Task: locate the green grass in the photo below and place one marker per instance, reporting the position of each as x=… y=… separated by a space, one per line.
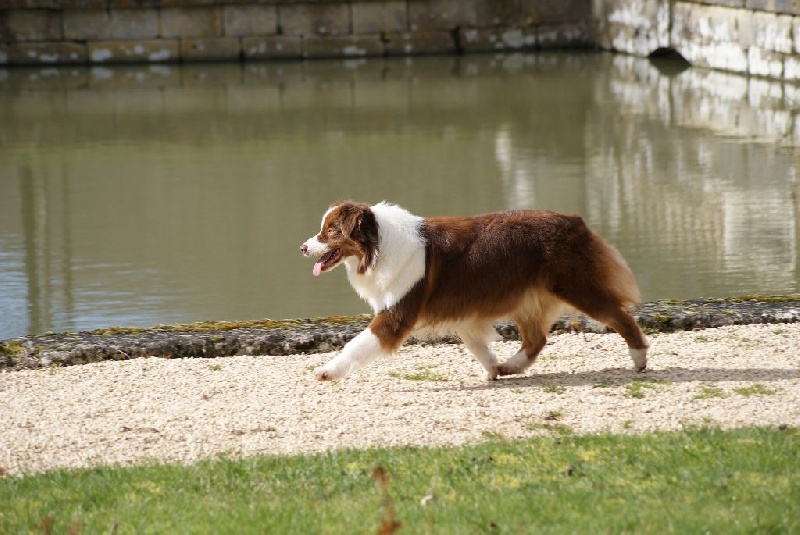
x=422 y=375
x=756 y=389
x=709 y=392
x=637 y=387
x=697 y=481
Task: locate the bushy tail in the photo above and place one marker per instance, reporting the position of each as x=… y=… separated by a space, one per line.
x=616 y=273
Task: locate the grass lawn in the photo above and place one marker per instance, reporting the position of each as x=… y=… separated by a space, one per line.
x=698 y=481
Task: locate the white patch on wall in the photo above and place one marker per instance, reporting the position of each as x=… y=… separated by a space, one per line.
x=101 y=54
x=764 y=63
x=160 y=55
x=791 y=70
x=353 y=50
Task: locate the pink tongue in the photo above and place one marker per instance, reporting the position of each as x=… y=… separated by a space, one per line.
x=317 y=269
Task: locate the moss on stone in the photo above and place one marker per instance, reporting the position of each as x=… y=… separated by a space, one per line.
x=214 y=326
x=12 y=350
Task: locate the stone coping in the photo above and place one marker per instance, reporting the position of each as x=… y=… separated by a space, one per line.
x=145 y=4
x=270 y=337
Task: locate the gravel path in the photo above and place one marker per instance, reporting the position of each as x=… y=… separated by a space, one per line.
x=185 y=409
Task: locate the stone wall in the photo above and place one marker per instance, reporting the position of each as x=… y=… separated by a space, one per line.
x=756 y=37
x=106 y=31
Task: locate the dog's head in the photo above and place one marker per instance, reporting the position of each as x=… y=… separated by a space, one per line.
x=348 y=229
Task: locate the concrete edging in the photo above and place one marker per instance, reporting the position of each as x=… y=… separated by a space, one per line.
x=268 y=337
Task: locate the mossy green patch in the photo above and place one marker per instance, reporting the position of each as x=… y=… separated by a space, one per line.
x=756 y=389
x=12 y=349
x=709 y=392
x=637 y=387
x=422 y=375
x=214 y=326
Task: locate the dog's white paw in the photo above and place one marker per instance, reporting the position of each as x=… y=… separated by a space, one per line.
x=324 y=373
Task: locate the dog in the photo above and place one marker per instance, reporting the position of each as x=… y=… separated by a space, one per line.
x=461 y=274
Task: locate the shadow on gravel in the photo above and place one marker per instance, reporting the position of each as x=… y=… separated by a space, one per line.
x=612 y=377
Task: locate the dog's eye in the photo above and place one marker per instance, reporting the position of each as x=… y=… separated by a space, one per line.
x=332 y=232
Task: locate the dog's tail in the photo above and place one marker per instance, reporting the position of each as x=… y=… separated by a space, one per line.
x=612 y=269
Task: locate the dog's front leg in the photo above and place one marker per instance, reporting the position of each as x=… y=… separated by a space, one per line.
x=358 y=352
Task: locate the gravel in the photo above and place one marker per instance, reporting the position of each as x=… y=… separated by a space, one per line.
x=181 y=410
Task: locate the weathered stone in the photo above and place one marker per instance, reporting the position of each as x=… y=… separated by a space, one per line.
x=377 y=17
x=791 y=7
x=193 y=22
x=634 y=27
x=796 y=34
x=153 y=50
x=308 y=336
x=272 y=47
x=111 y=25
x=764 y=62
x=34 y=25
x=211 y=49
x=440 y=15
x=555 y=11
x=713 y=37
x=726 y=3
x=494 y=14
x=791 y=71
x=313 y=19
x=46 y=53
x=248 y=20
x=419 y=43
x=562 y=35
x=773 y=32
x=342 y=46
x=489 y=40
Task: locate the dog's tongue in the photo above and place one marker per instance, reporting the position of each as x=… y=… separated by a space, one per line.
x=317 y=268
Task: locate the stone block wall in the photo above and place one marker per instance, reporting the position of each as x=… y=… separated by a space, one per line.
x=118 y=31
x=754 y=37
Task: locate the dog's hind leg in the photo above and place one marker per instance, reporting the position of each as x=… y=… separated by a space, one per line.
x=534 y=320
x=533 y=340
x=476 y=338
x=613 y=314
x=623 y=323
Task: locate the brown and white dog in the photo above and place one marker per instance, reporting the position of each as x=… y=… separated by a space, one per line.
x=461 y=274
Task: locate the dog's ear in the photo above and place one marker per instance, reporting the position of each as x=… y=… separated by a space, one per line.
x=351 y=218
x=366 y=233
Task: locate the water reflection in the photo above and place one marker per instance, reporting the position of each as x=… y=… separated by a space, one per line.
x=158 y=194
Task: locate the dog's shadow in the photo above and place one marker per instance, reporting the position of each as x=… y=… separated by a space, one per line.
x=613 y=377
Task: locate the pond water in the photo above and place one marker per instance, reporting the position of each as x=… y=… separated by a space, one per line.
x=168 y=194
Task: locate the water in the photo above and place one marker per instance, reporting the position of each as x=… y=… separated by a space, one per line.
x=152 y=194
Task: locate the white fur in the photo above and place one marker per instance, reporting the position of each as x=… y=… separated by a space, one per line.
x=476 y=338
x=400 y=261
x=518 y=363
x=639 y=357
x=315 y=247
x=358 y=352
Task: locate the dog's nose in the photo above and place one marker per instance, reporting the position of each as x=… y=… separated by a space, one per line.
x=304 y=249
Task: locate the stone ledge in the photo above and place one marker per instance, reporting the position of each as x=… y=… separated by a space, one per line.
x=267 y=337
